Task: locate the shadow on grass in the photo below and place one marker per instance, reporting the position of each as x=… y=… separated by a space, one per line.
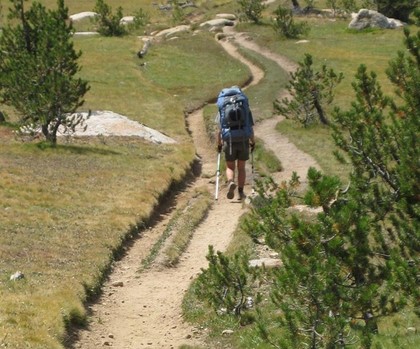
x=74 y=149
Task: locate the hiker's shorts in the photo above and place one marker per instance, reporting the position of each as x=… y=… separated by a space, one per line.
x=238 y=151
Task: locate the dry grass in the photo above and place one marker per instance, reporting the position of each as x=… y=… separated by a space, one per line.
x=65 y=212
x=187 y=221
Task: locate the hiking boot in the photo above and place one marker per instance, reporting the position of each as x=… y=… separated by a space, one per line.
x=231 y=190
x=241 y=195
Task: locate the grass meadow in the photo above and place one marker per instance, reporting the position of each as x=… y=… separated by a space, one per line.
x=66 y=212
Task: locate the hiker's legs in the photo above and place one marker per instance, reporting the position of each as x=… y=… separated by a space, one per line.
x=241 y=174
x=230 y=171
x=230 y=175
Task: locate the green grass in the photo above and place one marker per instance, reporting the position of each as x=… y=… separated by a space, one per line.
x=65 y=212
x=187 y=58
x=317 y=141
x=261 y=96
x=330 y=43
x=193 y=213
x=179 y=230
x=120 y=84
x=265 y=161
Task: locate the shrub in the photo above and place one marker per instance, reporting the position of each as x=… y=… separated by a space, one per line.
x=311 y=92
x=285 y=26
x=109 y=24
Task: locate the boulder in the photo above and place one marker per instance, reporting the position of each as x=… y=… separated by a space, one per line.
x=82 y=15
x=267 y=262
x=127 y=20
x=17 y=276
x=171 y=31
x=85 y=33
x=217 y=23
x=372 y=19
x=229 y=16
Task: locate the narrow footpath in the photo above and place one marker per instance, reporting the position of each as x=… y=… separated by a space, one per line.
x=143 y=310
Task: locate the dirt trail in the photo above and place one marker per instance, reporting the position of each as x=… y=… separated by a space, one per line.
x=292 y=158
x=145 y=312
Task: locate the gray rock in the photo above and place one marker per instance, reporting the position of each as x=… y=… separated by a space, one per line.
x=127 y=20
x=227 y=332
x=82 y=15
x=175 y=30
x=373 y=19
x=17 y=276
x=229 y=16
x=217 y=23
x=267 y=262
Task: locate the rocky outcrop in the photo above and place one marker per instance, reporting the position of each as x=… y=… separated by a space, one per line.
x=175 y=30
x=372 y=19
x=217 y=23
x=82 y=15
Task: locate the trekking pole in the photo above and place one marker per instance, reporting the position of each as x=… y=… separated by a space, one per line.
x=252 y=174
x=216 y=195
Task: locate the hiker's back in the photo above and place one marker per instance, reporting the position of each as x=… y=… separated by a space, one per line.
x=234 y=113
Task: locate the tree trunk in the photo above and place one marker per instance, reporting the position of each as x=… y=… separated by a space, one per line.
x=49 y=136
x=295 y=4
x=319 y=110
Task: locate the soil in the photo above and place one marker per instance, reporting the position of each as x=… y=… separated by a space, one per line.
x=143 y=309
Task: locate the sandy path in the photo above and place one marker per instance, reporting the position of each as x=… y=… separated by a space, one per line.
x=145 y=312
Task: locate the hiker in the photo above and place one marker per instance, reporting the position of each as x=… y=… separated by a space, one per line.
x=235 y=136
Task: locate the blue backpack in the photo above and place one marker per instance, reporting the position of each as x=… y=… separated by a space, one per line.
x=235 y=115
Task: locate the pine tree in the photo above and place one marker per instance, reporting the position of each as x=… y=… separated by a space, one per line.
x=225 y=284
x=358 y=260
x=38 y=64
x=109 y=24
x=380 y=135
x=251 y=10
x=311 y=91
x=400 y=9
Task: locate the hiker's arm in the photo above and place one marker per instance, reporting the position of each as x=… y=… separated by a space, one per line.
x=219 y=140
x=219 y=137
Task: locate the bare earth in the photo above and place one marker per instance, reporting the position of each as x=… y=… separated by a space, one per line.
x=144 y=311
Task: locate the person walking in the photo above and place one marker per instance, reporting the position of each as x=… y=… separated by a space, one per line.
x=235 y=136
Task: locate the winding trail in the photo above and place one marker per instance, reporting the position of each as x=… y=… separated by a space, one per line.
x=293 y=160
x=145 y=310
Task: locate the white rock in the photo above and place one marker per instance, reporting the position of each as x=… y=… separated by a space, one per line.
x=127 y=20
x=227 y=332
x=82 y=15
x=107 y=123
x=17 y=276
x=267 y=262
x=86 y=33
x=172 y=31
x=217 y=23
x=229 y=16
